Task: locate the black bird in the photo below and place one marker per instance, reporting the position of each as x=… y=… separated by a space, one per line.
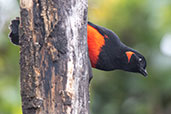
x=106 y=51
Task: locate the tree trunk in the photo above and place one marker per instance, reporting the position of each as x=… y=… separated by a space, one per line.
x=54 y=59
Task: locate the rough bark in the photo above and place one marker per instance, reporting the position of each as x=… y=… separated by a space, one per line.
x=54 y=58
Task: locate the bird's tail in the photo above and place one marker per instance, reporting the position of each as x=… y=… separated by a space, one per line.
x=14 y=31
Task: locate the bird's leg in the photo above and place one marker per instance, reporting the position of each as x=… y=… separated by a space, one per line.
x=90 y=71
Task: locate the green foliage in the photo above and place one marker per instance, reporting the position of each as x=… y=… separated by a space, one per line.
x=141 y=25
x=10 y=102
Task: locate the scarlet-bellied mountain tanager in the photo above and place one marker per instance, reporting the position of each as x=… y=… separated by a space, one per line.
x=106 y=51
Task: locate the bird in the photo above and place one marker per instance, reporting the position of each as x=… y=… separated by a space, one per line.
x=105 y=49
x=107 y=52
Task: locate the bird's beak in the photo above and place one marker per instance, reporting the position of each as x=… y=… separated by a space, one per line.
x=143 y=72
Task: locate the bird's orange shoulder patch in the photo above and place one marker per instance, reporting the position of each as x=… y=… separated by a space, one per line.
x=95 y=43
x=129 y=55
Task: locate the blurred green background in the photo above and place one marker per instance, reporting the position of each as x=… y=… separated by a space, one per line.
x=144 y=25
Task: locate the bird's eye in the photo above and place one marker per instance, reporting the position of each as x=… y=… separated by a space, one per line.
x=140 y=59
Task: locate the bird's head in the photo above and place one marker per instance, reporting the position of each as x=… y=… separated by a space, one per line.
x=135 y=62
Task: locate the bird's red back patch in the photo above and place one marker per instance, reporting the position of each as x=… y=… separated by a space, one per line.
x=95 y=43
